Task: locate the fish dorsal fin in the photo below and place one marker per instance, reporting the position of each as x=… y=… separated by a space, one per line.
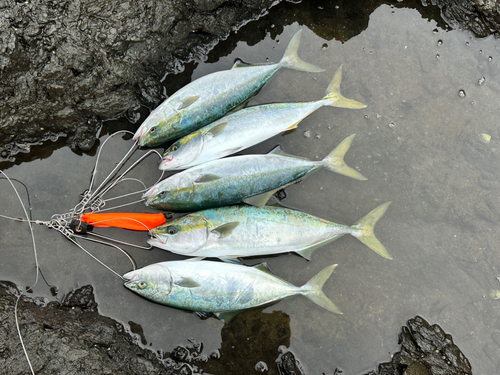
x=217 y=129
x=261 y=199
x=279 y=151
x=263 y=267
x=225 y=230
x=187 y=282
x=186 y=102
x=206 y=178
x=240 y=64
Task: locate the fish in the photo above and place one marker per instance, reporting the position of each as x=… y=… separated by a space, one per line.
x=247 y=127
x=232 y=232
x=252 y=179
x=222 y=289
x=212 y=96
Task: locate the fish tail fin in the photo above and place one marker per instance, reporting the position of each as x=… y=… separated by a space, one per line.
x=313 y=290
x=366 y=226
x=335 y=98
x=291 y=59
x=335 y=160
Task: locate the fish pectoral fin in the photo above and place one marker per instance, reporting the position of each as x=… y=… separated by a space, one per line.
x=233 y=260
x=188 y=101
x=206 y=178
x=217 y=129
x=187 y=282
x=226 y=317
x=307 y=252
x=225 y=230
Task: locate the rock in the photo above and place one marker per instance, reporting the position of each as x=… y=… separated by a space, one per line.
x=426 y=350
x=66 y=66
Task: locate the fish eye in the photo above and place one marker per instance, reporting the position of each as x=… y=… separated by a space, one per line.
x=175 y=147
x=153 y=129
x=162 y=193
x=142 y=284
x=171 y=230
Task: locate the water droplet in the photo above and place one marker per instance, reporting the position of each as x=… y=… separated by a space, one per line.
x=320 y=7
x=272 y=26
x=337 y=7
x=438 y=57
x=495 y=294
x=261 y=366
x=481 y=80
x=329 y=127
x=490 y=58
x=435 y=31
x=324 y=46
x=467 y=43
x=267 y=58
x=318 y=136
x=379 y=116
x=461 y=93
x=440 y=42
x=391 y=125
x=480 y=51
x=366 y=116
x=472 y=102
x=393 y=12
x=307 y=134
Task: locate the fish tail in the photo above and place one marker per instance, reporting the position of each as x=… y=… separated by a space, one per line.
x=366 y=226
x=313 y=290
x=333 y=96
x=335 y=160
x=291 y=59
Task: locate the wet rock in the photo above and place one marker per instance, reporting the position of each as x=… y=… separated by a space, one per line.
x=66 y=66
x=481 y=17
x=425 y=350
x=288 y=365
x=68 y=337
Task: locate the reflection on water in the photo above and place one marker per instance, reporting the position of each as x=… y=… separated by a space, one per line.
x=420 y=144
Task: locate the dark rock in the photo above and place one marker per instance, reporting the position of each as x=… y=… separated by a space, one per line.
x=426 y=350
x=481 y=17
x=65 y=66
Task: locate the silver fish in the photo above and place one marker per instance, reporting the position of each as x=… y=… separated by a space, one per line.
x=221 y=288
x=247 y=127
x=210 y=97
x=244 y=231
x=248 y=178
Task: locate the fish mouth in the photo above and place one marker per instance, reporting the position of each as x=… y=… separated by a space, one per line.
x=164 y=162
x=154 y=241
x=129 y=277
x=139 y=133
x=150 y=193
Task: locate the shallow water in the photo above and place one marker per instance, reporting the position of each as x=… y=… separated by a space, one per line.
x=419 y=144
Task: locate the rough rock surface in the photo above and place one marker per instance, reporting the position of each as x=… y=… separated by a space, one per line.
x=425 y=350
x=67 y=65
x=68 y=338
x=482 y=17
